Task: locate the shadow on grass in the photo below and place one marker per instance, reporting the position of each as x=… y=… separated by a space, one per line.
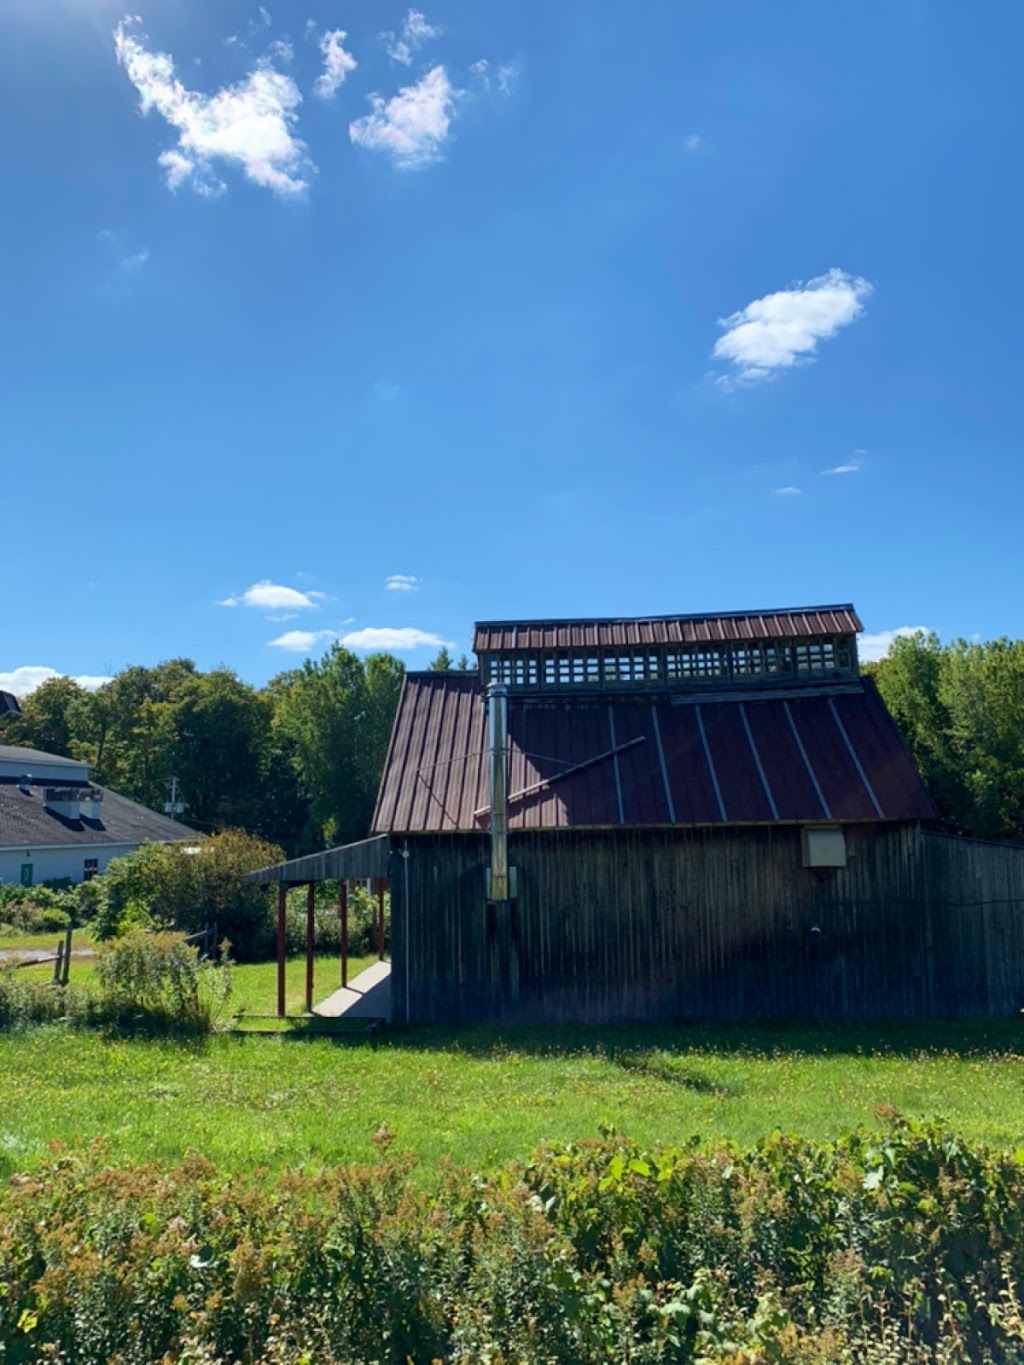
x=635 y=1046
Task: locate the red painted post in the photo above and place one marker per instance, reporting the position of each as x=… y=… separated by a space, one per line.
x=380 y=918
x=282 y=895
x=310 y=895
x=343 y=907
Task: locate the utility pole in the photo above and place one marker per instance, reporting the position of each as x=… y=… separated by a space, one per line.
x=174 y=807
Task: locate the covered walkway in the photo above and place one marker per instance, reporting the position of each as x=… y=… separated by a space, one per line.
x=369 y=995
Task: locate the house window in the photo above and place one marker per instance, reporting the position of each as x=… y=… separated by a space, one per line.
x=702 y=663
x=92 y=869
x=819 y=656
x=26 y=874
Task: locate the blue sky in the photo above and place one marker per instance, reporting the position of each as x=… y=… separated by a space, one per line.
x=547 y=306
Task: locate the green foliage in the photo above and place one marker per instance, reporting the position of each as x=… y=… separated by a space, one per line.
x=186 y=886
x=157 y=980
x=443 y=661
x=362 y=921
x=335 y=716
x=36 y=909
x=905 y=1246
x=29 y=999
x=296 y=762
x=961 y=708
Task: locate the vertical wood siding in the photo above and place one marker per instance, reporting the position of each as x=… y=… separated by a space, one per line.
x=650 y=924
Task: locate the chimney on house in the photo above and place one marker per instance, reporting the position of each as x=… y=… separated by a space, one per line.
x=25 y=783
x=64 y=801
x=92 y=804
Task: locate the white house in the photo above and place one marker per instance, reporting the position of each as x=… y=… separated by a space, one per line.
x=55 y=823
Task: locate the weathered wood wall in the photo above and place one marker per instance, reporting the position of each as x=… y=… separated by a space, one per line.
x=727 y=924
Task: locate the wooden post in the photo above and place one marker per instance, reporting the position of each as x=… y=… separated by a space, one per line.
x=310 y=930
x=67 y=957
x=343 y=910
x=380 y=919
x=58 y=963
x=282 y=896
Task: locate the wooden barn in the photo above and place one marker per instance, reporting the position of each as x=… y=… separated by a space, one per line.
x=668 y=818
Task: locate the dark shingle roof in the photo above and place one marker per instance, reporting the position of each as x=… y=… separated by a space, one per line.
x=26 y=823
x=9 y=705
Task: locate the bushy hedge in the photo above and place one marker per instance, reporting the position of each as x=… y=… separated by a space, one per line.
x=905 y=1247
x=187 y=886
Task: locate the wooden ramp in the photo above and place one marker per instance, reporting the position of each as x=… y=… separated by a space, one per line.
x=368 y=996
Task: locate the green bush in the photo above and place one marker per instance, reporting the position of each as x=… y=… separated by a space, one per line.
x=362 y=920
x=187 y=886
x=26 y=1000
x=36 y=909
x=899 y=1248
x=157 y=981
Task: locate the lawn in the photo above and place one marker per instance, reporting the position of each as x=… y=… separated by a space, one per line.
x=483 y=1096
x=14 y=938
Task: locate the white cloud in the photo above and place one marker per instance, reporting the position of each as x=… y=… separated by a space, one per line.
x=783 y=329
x=415 y=32
x=788 y=492
x=388 y=637
x=871 y=648
x=851 y=466
x=401 y=582
x=250 y=125
x=693 y=142
x=22 y=681
x=504 y=74
x=411 y=126
x=302 y=641
x=337 y=64
x=274 y=597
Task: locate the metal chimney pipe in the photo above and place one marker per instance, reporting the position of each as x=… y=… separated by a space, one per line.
x=497 y=713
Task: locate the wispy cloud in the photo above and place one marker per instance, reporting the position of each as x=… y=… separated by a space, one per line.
x=125 y=260
x=693 y=142
x=268 y=596
x=504 y=74
x=390 y=637
x=788 y=492
x=412 y=126
x=851 y=466
x=402 y=47
x=250 y=125
x=302 y=641
x=781 y=330
x=21 y=681
x=401 y=582
x=872 y=647
x=338 y=63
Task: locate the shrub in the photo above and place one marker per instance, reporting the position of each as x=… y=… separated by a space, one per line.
x=186 y=886
x=26 y=1000
x=362 y=920
x=899 y=1248
x=36 y=909
x=157 y=980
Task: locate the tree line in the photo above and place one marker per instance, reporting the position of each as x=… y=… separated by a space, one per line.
x=298 y=761
x=960 y=707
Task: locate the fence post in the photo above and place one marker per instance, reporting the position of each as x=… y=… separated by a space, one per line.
x=282 y=892
x=67 y=956
x=310 y=931
x=343 y=909
x=57 y=964
x=380 y=919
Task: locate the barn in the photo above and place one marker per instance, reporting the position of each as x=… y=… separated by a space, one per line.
x=662 y=818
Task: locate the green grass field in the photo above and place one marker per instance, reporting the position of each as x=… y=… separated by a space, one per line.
x=13 y=938
x=481 y=1096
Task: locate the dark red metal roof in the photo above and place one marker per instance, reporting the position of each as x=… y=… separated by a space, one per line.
x=788 y=624
x=825 y=754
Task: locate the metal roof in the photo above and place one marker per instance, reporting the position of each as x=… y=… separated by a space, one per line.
x=349 y=862
x=26 y=823
x=803 y=756
x=15 y=753
x=778 y=624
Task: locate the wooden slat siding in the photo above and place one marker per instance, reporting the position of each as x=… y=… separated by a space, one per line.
x=660 y=925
